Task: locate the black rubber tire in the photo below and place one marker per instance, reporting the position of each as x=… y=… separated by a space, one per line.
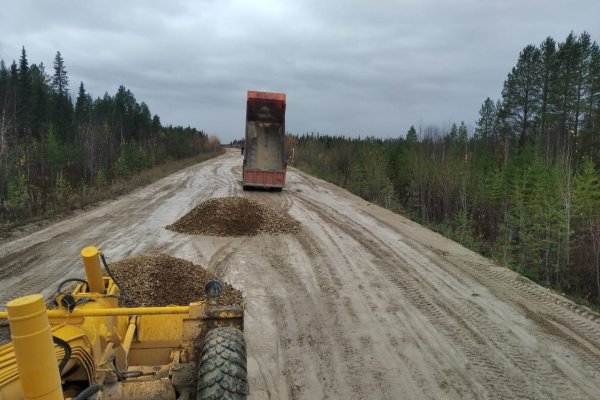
x=222 y=370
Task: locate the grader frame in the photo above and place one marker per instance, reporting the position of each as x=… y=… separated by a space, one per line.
x=89 y=347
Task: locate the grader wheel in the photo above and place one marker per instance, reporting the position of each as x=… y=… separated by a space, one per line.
x=222 y=368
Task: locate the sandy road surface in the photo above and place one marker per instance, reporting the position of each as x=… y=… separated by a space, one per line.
x=361 y=304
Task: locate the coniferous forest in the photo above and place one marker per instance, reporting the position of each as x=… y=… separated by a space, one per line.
x=521 y=187
x=59 y=150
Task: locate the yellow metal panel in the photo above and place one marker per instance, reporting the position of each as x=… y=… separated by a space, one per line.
x=153 y=356
x=159 y=328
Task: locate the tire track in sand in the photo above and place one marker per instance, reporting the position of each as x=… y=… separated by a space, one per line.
x=497 y=363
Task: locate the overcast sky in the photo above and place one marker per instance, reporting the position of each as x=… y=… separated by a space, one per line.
x=347 y=67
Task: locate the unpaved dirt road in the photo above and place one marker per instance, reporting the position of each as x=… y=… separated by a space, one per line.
x=361 y=304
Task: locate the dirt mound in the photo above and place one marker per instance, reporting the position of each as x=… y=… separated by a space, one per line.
x=234 y=216
x=157 y=280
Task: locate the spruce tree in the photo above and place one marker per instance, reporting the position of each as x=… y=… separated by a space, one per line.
x=411 y=135
x=13 y=96
x=63 y=108
x=60 y=81
x=40 y=101
x=143 y=121
x=462 y=132
x=3 y=71
x=453 y=132
x=459 y=149
x=23 y=95
x=83 y=106
x=24 y=77
x=156 y=125
x=486 y=123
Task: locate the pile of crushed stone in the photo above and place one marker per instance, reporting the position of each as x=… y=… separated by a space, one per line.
x=157 y=280
x=234 y=216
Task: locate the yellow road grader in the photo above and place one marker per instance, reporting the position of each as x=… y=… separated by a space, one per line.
x=90 y=348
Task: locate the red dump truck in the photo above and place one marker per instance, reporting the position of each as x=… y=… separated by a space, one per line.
x=264 y=147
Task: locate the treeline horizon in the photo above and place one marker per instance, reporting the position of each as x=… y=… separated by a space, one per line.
x=522 y=188
x=55 y=149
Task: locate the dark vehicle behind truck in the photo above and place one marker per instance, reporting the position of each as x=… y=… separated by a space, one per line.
x=264 y=147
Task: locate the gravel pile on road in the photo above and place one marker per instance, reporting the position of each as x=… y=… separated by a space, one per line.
x=157 y=280
x=234 y=216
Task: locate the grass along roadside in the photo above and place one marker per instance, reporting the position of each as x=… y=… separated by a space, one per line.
x=89 y=196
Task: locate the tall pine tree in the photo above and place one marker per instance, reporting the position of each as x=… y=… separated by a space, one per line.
x=521 y=93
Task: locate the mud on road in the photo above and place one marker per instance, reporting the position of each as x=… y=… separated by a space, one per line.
x=360 y=303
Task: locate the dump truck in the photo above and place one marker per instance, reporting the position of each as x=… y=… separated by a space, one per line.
x=264 y=147
x=88 y=347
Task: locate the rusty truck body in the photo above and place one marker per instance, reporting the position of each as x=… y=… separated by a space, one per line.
x=264 y=147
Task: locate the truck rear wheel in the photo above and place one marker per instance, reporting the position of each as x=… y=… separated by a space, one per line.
x=222 y=368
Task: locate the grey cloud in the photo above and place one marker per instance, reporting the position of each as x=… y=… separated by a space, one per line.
x=348 y=67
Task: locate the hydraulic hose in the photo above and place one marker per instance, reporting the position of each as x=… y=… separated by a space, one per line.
x=121 y=289
x=70 y=372
x=59 y=342
x=87 y=392
x=60 y=285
